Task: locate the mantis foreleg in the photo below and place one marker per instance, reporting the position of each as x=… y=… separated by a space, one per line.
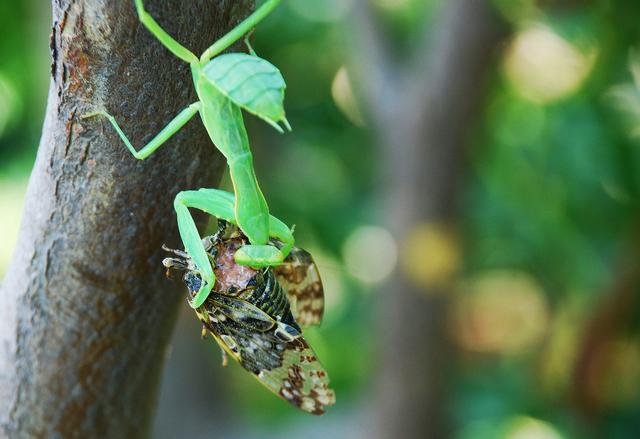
x=221 y=204
x=194 y=247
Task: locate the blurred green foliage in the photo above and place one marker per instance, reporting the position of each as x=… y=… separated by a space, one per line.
x=24 y=72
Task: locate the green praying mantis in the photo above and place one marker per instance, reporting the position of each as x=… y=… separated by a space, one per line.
x=225 y=85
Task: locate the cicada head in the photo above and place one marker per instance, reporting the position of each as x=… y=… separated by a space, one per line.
x=193 y=282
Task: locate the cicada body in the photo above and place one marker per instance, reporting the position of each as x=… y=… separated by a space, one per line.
x=256 y=317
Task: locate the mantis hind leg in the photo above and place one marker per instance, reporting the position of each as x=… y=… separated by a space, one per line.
x=221 y=204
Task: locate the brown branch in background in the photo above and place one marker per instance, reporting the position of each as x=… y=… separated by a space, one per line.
x=423 y=127
x=85 y=310
x=612 y=320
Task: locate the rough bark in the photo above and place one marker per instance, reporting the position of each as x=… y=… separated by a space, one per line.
x=425 y=107
x=85 y=309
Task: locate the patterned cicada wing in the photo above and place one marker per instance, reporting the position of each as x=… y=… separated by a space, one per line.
x=300 y=379
x=290 y=369
x=299 y=277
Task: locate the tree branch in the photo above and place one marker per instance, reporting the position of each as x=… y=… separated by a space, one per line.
x=422 y=129
x=86 y=311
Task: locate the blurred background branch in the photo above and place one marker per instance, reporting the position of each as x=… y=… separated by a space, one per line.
x=424 y=107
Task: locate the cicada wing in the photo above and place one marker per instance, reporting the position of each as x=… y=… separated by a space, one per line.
x=300 y=278
x=300 y=379
x=290 y=369
x=243 y=312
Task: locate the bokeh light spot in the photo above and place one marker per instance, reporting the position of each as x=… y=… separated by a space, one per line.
x=626 y=97
x=370 y=254
x=501 y=312
x=11 y=202
x=9 y=103
x=430 y=255
x=343 y=96
x=525 y=427
x=544 y=67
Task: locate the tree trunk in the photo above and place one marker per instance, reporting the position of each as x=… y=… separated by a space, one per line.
x=86 y=310
x=424 y=109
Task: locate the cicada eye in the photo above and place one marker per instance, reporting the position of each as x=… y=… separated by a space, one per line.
x=192 y=281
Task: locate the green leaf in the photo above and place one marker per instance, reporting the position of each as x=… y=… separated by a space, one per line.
x=251 y=83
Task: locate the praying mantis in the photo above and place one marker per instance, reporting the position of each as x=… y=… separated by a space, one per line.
x=225 y=85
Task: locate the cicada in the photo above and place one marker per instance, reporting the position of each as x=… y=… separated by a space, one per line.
x=256 y=317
